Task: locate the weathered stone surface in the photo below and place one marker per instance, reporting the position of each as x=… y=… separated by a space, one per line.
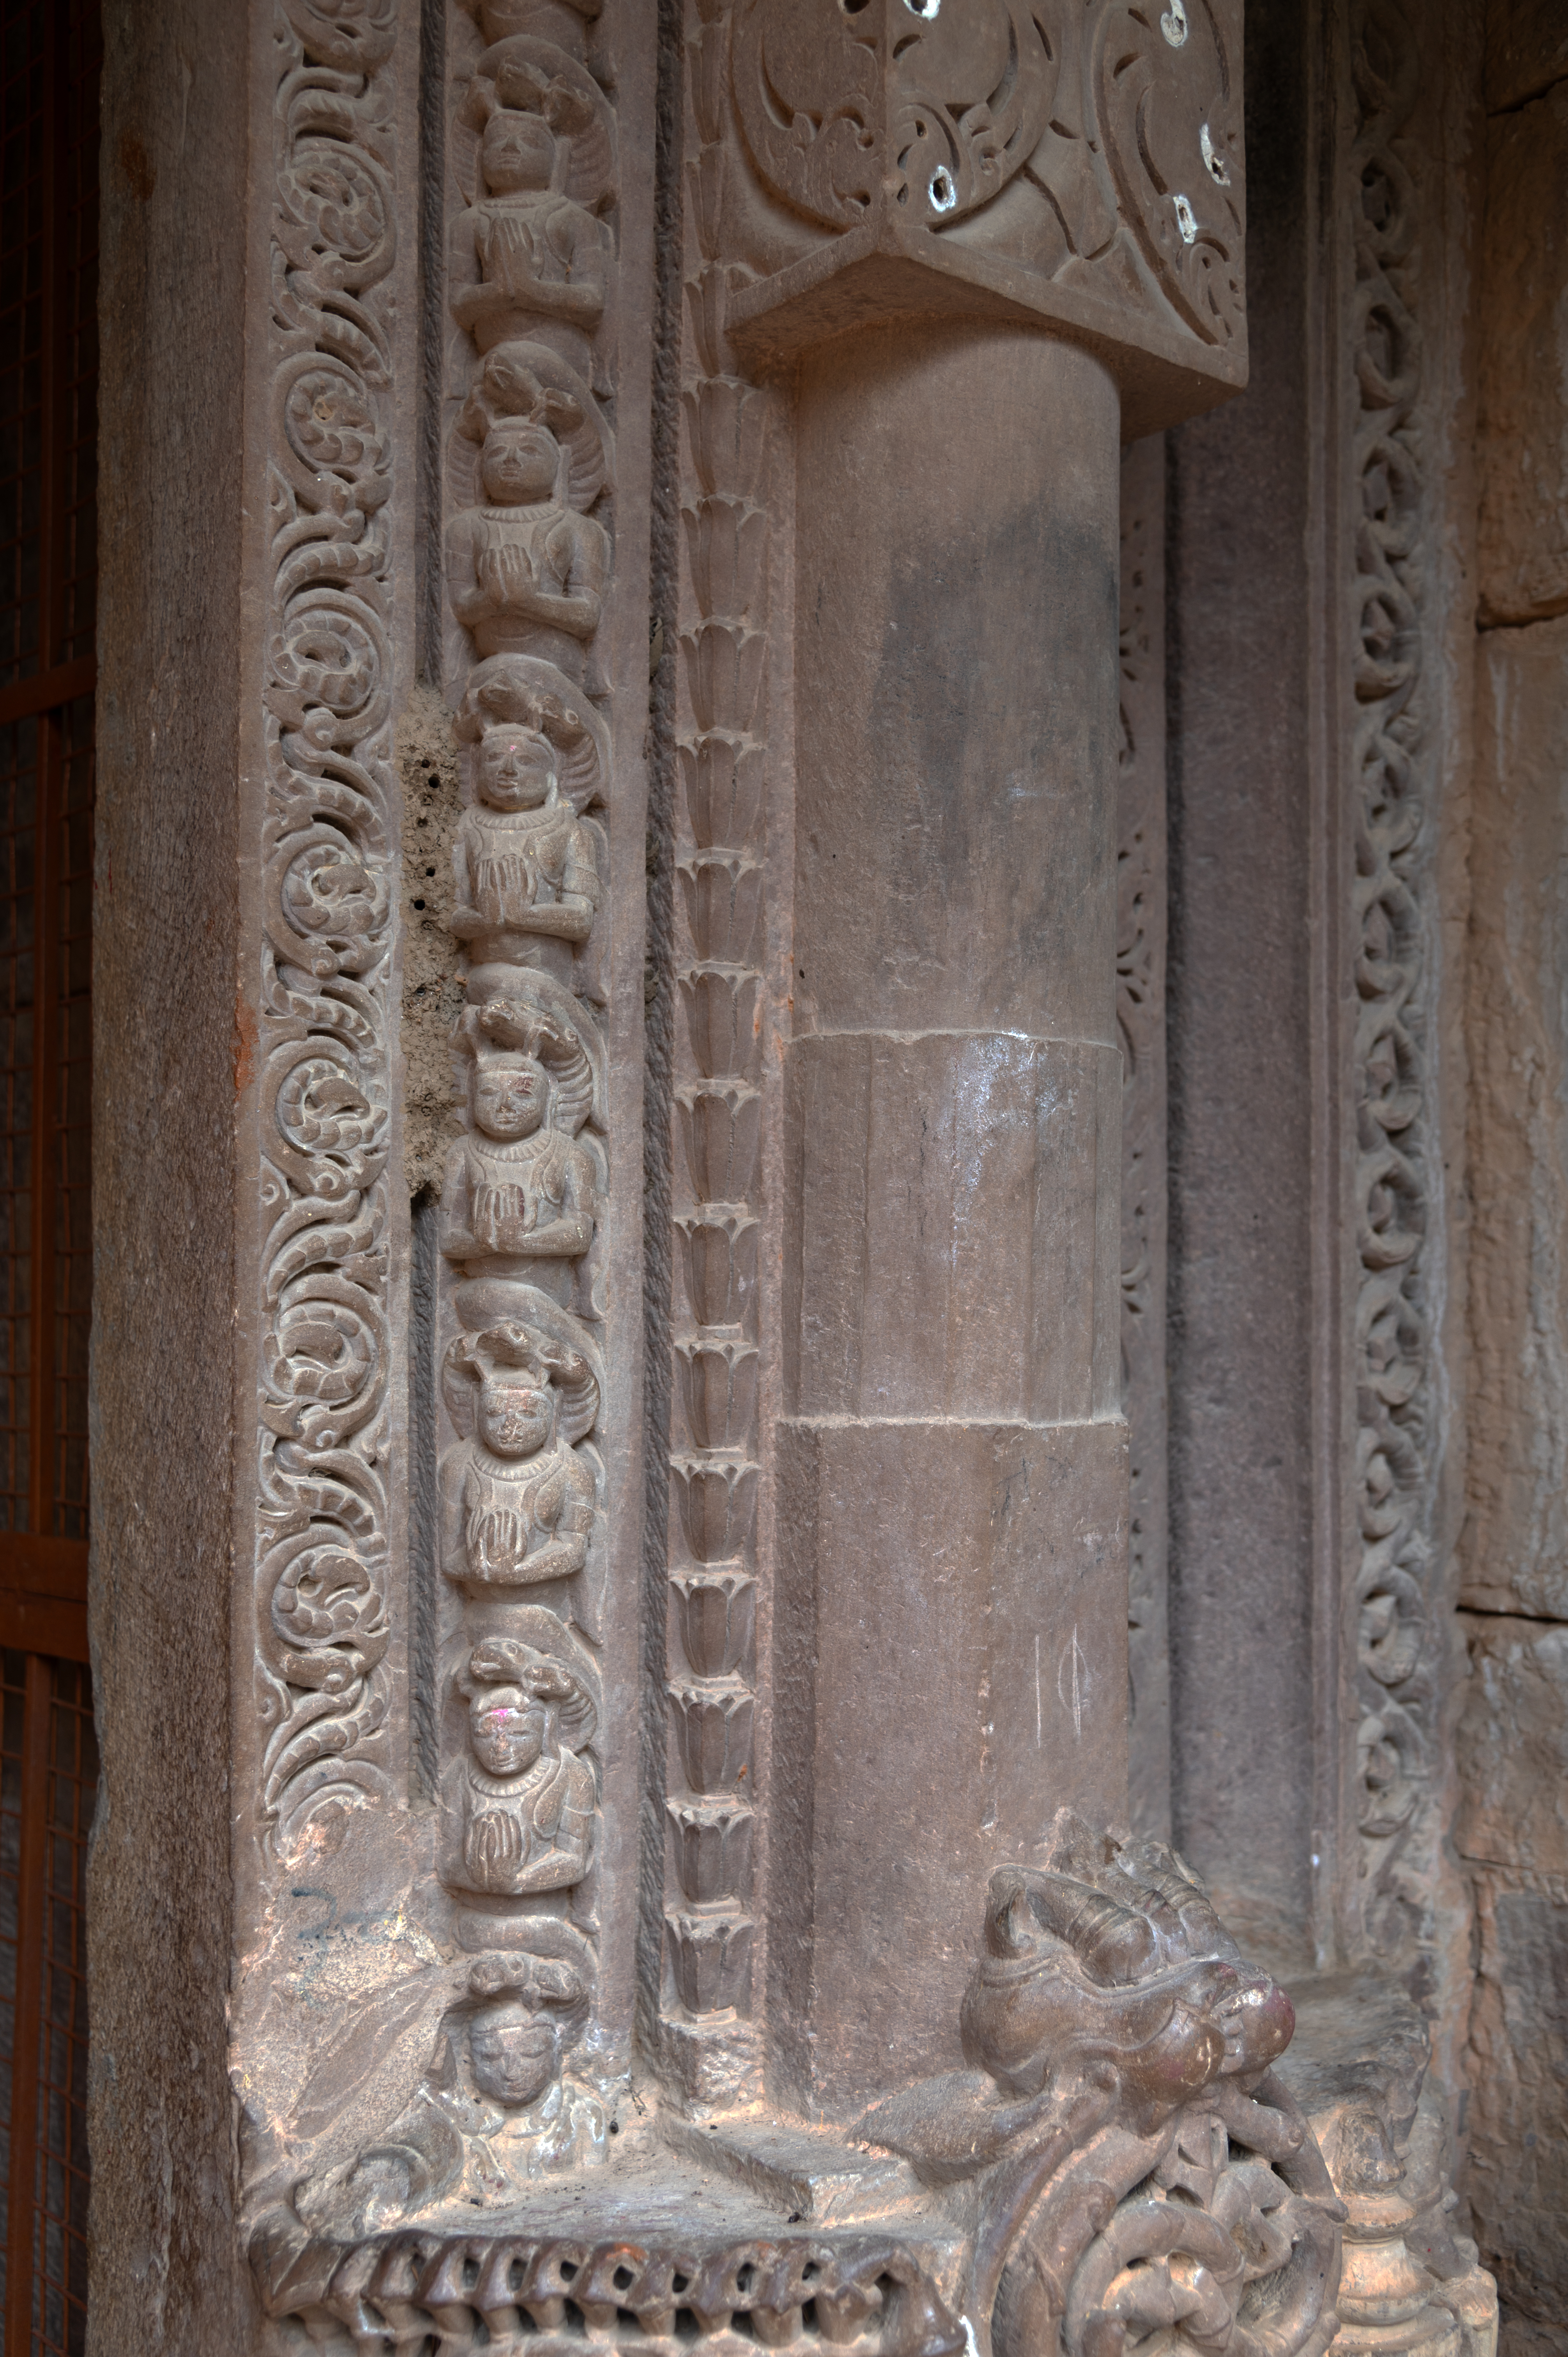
x=1518 y=2121
x=431 y=986
x=1141 y=933
x=171 y=1050
x=990 y=1559
x=1241 y=1676
x=1524 y=539
x=1515 y=1547
x=1527 y=51
x=1513 y=1744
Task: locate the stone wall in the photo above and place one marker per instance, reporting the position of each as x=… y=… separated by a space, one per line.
x=1513 y=1751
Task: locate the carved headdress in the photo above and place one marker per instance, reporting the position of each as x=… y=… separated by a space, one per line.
x=527 y=381
x=521 y=75
x=555 y=1669
x=526 y=691
x=520 y=1027
x=476 y=1358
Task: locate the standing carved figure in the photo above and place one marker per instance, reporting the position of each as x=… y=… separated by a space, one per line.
x=523 y=860
x=521 y=1807
x=529 y=865
x=518 y=1499
x=520 y=1194
x=525 y=572
x=528 y=257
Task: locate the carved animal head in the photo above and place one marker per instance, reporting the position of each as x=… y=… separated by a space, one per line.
x=1110 y=1965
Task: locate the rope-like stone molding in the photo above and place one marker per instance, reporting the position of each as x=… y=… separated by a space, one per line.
x=328 y=854
x=1396 y=1686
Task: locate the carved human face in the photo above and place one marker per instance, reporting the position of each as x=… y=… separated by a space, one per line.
x=517 y=768
x=518 y=152
x=518 y=464
x=514 y=2054
x=507 y=1728
x=510 y=1096
x=514 y=1417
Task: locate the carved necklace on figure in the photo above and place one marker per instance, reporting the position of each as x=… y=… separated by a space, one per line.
x=532 y=232
x=511 y=1820
x=505 y=1510
x=516 y=1188
x=518 y=859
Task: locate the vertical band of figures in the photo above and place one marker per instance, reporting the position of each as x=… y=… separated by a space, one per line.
x=1396 y=1690
x=714 y=1586
x=529 y=458
x=329 y=852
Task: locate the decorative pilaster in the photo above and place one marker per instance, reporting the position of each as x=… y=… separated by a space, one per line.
x=714 y=1756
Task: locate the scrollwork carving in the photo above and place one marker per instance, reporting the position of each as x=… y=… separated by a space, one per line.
x=324 y=1629
x=807 y=92
x=1390 y=1601
x=1095 y=151
x=1171 y=112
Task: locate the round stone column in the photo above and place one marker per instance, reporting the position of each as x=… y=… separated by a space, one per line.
x=951 y=1636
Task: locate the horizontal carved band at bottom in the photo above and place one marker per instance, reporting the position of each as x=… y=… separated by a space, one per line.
x=865 y=2293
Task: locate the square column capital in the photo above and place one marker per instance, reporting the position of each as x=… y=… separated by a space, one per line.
x=1078 y=166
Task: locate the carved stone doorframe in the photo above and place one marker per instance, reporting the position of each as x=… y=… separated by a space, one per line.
x=647 y=1940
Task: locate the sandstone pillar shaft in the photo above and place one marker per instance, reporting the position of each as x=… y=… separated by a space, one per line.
x=952 y=1483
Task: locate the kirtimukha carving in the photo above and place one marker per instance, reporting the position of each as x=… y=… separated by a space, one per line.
x=325 y=1519
x=1137 y=2168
